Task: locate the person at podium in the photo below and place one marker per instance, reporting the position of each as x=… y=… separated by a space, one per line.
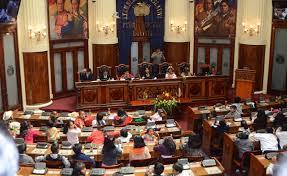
x=147 y=74
x=157 y=57
x=105 y=76
x=170 y=73
x=185 y=72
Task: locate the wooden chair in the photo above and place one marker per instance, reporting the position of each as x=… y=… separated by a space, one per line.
x=121 y=69
x=181 y=67
x=141 y=163
x=163 y=68
x=170 y=160
x=244 y=163
x=54 y=164
x=101 y=69
x=142 y=66
x=113 y=166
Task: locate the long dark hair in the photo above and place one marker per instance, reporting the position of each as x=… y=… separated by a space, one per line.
x=77 y=170
x=108 y=145
x=67 y=126
x=24 y=128
x=244 y=124
x=169 y=144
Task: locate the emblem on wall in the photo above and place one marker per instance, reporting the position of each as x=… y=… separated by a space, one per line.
x=10 y=70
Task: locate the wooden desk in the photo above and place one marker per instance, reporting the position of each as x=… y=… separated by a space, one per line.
x=96 y=153
x=164 y=131
x=258 y=165
x=103 y=94
x=195 y=169
x=209 y=131
x=229 y=151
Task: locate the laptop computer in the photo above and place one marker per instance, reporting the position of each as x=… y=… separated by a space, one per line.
x=66 y=172
x=66 y=145
x=170 y=123
x=42 y=145
x=109 y=128
x=97 y=172
x=40 y=168
x=184 y=162
x=150 y=125
x=208 y=163
x=127 y=170
x=87 y=129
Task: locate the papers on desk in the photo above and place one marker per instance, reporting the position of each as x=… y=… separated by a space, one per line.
x=66 y=152
x=64 y=118
x=204 y=111
x=187 y=173
x=54 y=172
x=28 y=116
x=213 y=170
x=173 y=129
x=85 y=134
x=39 y=151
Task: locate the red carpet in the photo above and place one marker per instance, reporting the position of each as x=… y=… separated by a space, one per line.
x=67 y=104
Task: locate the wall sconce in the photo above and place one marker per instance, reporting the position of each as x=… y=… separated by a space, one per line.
x=251 y=29
x=178 y=28
x=37 y=32
x=106 y=28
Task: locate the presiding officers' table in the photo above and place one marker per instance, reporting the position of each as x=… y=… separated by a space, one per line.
x=121 y=93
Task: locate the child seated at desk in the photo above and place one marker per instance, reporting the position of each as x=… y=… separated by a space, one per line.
x=72 y=131
x=139 y=151
x=99 y=121
x=125 y=136
x=243 y=143
x=77 y=148
x=157 y=170
x=79 y=169
x=167 y=148
x=158 y=116
x=233 y=113
x=54 y=156
x=150 y=135
x=23 y=157
x=122 y=118
x=27 y=132
x=177 y=169
x=260 y=120
x=110 y=152
x=53 y=134
x=244 y=127
x=222 y=127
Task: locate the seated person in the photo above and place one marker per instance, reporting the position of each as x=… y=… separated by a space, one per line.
x=177 y=169
x=79 y=121
x=96 y=137
x=237 y=101
x=79 y=169
x=110 y=152
x=86 y=75
x=14 y=128
x=193 y=146
x=150 y=135
x=281 y=133
x=279 y=120
x=53 y=134
x=157 y=170
x=170 y=73
x=27 y=132
x=158 y=116
x=122 y=118
x=54 y=156
x=233 y=113
x=260 y=121
x=139 y=151
x=99 y=121
x=222 y=127
x=157 y=57
x=104 y=76
x=147 y=74
x=72 y=132
x=127 y=76
x=23 y=157
x=185 y=72
x=167 y=148
x=243 y=143
x=244 y=127
x=54 y=118
x=77 y=148
x=125 y=136
x=268 y=141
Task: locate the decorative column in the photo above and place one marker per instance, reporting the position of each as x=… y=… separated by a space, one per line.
x=253 y=37
x=103 y=32
x=177 y=26
x=34 y=47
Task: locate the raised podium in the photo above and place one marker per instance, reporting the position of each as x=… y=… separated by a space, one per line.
x=244 y=83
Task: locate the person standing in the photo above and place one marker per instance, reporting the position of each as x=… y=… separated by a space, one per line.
x=157 y=57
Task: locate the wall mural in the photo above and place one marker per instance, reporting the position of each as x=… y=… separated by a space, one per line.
x=215 y=18
x=68 y=19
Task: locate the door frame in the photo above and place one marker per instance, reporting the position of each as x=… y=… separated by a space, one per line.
x=275 y=25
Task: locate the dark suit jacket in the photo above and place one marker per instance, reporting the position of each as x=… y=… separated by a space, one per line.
x=86 y=77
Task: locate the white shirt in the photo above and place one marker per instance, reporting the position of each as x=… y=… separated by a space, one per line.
x=268 y=141
x=73 y=135
x=282 y=136
x=155 y=117
x=170 y=76
x=125 y=139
